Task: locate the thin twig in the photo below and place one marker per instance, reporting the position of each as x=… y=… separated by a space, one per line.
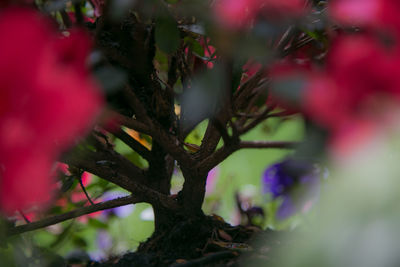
x=119 y=170
x=263 y=115
x=133 y=124
x=169 y=142
x=136 y=104
x=208 y=259
x=268 y=144
x=247 y=115
x=24 y=216
x=222 y=130
x=65 y=18
x=72 y=214
x=225 y=151
x=247 y=90
x=281 y=114
x=210 y=141
x=84 y=191
x=78 y=13
x=217 y=157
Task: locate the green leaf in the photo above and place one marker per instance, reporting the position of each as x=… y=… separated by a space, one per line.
x=56 y=210
x=97 y=224
x=136 y=159
x=79 y=241
x=195 y=46
x=167 y=34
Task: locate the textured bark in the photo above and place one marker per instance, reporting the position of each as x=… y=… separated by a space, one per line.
x=192 y=195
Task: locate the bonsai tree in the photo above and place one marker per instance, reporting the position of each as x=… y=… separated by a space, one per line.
x=164 y=67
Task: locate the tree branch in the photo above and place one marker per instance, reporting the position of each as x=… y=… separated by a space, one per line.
x=135 y=104
x=217 y=157
x=268 y=144
x=73 y=214
x=225 y=151
x=132 y=143
x=113 y=168
x=84 y=191
x=246 y=88
x=221 y=130
x=120 y=171
x=212 y=258
x=133 y=124
x=263 y=116
x=168 y=142
x=210 y=141
x=171 y=144
x=215 y=129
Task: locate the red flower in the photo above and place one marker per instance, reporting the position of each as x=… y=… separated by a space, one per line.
x=47 y=101
x=5 y=3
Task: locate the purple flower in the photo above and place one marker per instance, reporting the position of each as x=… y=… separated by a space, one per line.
x=295 y=182
x=103 y=240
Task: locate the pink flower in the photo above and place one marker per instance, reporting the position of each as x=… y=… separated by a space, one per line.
x=209 y=53
x=359 y=69
x=47 y=101
x=355 y=11
x=351 y=95
x=376 y=14
x=212 y=178
x=235 y=14
x=240 y=14
x=98 y=7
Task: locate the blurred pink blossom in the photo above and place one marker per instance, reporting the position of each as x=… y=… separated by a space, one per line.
x=212 y=180
x=241 y=14
x=374 y=14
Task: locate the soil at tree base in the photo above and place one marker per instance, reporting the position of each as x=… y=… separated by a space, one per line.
x=203 y=242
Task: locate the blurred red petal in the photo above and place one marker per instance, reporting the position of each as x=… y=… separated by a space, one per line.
x=49 y=103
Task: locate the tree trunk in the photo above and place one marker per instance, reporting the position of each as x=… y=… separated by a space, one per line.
x=191 y=198
x=193 y=192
